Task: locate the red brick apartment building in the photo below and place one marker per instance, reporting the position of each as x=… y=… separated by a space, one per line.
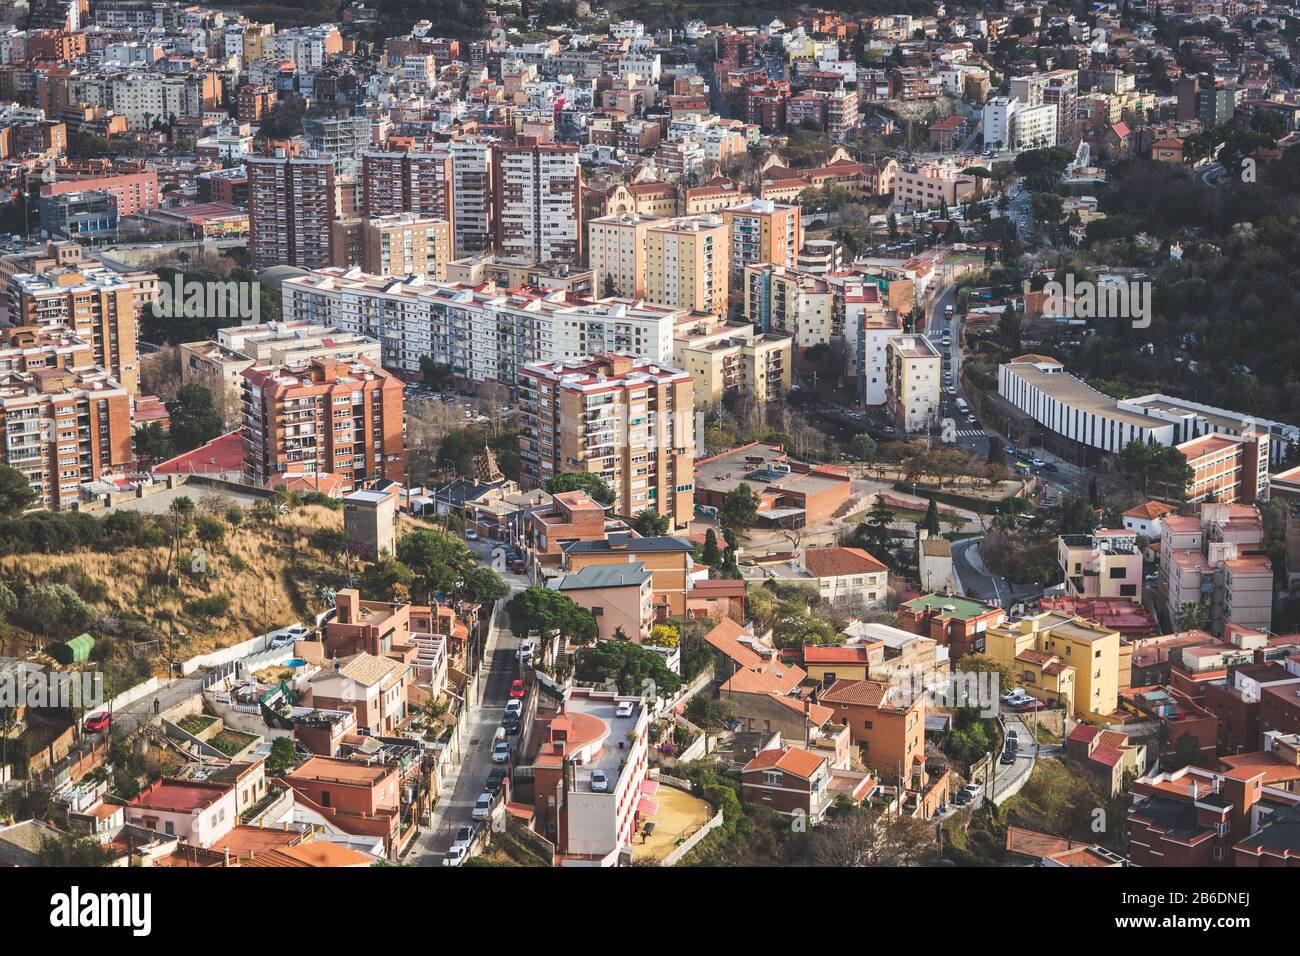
x=882 y=720
x=135 y=191
x=359 y=798
x=328 y=417
x=1195 y=817
x=956 y=622
x=291 y=204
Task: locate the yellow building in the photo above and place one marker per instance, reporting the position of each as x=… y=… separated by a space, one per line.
x=686 y=263
x=1040 y=649
x=724 y=356
x=764 y=231
x=912 y=381
x=616 y=252
x=406 y=244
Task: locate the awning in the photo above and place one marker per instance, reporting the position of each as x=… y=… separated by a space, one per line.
x=646 y=807
x=649 y=787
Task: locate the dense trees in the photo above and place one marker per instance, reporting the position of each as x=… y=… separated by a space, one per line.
x=545 y=610
x=630 y=666
x=194 y=418
x=592 y=484
x=16 y=493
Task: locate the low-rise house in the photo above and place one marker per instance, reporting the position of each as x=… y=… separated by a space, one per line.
x=373 y=688
x=791 y=781
x=885 y=722
x=958 y=623
x=358 y=797
x=199 y=813
x=1106 y=756
x=619 y=596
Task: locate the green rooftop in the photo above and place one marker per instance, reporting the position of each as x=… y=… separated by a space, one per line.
x=963 y=608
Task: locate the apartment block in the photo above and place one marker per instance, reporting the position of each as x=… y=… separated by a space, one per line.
x=625 y=419
x=406 y=244
x=291 y=206
x=135 y=189
x=1227 y=468
x=927 y=185
x=537 y=195
x=1036 y=648
x=1218 y=559
x=325 y=417
x=912 y=382
x=97 y=305
x=1058 y=88
x=64 y=427
x=616 y=248
x=783 y=300
x=397 y=181
x=763 y=232
x=687 y=262
x=725 y=357
x=473 y=193
x=482 y=332
x=1104 y=564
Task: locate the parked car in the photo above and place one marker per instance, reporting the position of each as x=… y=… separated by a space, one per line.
x=1038 y=463
x=1012 y=735
x=98 y=723
x=1011 y=697
x=514 y=708
x=625 y=708
x=496 y=780
x=518 y=566
x=599 y=781
x=456 y=856
x=1050 y=467
x=1029 y=706
x=517 y=689
x=464 y=836
x=471 y=534
x=482 y=806
x=501 y=750
x=1012 y=745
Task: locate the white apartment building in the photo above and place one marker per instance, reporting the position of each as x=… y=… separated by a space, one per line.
x=482 y=333
x=471 y=171
x=912 y=368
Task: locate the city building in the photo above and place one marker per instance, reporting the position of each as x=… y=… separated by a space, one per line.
x=1040 y=646
x=291 y=206
x=625 y=419
x=616 y=248
x=404 y=244
x=732 y=359
x=1214 y=569
x=913 y=377
x=687 y=262
x=324 y=417
x=1104 y=564
x=370 y=523
x=538 y=202
x=763 y=232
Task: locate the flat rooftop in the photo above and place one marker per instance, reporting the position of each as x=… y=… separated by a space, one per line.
x=1068 y=390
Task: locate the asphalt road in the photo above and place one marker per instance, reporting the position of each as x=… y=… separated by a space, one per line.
x=976 y=581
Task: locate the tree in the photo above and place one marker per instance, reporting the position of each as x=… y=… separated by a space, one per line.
x=1077 y=516
x=1193 y=616
x=629 y=666
x=861 y=837
x=586 y=481
x=72 y=850
x=650 y=523
x=16 y=492
x=665 y=635
x=862 y=446
x=711 y=554
x=194 y=419
x=545 y=610
x=437 y=375
x=282 y=756
x=880 y=539
x=331 y=541
x=931 y=521
x=387 y=580
x=997 y=454
x=984 y=664
x=739 y=508
x=152 y=444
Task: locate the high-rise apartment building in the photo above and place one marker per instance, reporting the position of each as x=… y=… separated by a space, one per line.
x=1059 y=88
x=325 y=417
x=473 y=206
x=616 y=252
x=97 y=305
x=537 y=192
x=63 y=427
x=629 y=421
x=763 y=231
x=291 y=206
x=405 y=244
x=912 y=368
x=396 y=181
x=733 y=358
x=686 y=263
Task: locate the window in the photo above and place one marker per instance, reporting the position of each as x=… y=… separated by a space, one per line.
x=772 y=778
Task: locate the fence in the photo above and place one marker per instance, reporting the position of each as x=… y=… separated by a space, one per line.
x=680 y=851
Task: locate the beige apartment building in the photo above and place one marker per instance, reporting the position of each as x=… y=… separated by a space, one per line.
x=98 y=306
x=926 y=185
x=723 y=356
x=1043 y=644
x=625 y=419
x=686 y=263
x=405 y=244
x=785 y=300
x=616 y=249
x=1104 y=564
x=219 y=365
x=1218 y=559
x=912 y=372
x=763 y=231
x=63 y=427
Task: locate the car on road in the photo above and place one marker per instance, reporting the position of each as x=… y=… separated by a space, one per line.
x=464 y=836
x=496 y=780
x=599 y=781
x=1050 y=467
x=501 y=750
x=514 y=708
x=1012 y=696
x=482 y=806
x=526 y=648
x=1012 y=735
x=1028 y=706
x=1038 y=463
x=98 y=723
x=456 y=856
x=1007 y=757
x=517 y=689
x=471 y=534
x=518 y=566
x=290 y=634
x=1012 y=745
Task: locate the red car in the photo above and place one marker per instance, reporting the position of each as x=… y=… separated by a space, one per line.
x=98 y=723
x=517 y=689
x=1028 y=706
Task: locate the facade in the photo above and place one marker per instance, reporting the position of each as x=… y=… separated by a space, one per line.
x=763 y=232
x=291 y=206
x=616 y=249
x=913 y=377
x=1218 y=561
x=405 y=244
x=370 y=523
x=790 y=781
x=627 y=420
x=687 y=262
x=886 y=723
x=732 y=358
x=847 y=575
x=325 y=417
x=927 y=185
x=1039 y=646
x=958 y=623
x=621 y=597
x=399 y=181
x=1104 y=564
x=538 y=202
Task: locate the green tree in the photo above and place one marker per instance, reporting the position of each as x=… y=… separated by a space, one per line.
x=387 y=580
x=331 y=541
x=862 y=446
x=282 y=756
x=876 y=529
x=931 y=521
x=586 y=481
x=997 y=454
x=72 y=850
x=739 y=508
x=545 y=610
x=650 y=523
x=152 y=444
x=711 y=554
x=629 y=665
x=16 y=492
x=194 y=419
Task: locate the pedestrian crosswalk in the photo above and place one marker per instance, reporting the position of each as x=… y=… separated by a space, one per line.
x=973 y=433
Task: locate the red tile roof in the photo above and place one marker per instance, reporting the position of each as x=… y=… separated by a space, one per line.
x=835 y=562
x=795 y=760
x=222 y=454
